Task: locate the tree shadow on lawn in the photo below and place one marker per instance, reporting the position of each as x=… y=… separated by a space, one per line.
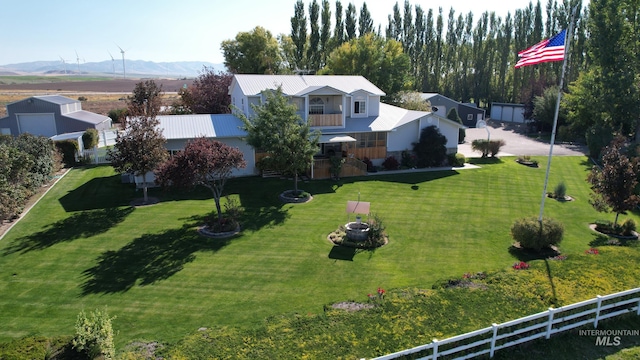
x=328 y=186
x=148 y=259
x=79 y=225
x=98 y=193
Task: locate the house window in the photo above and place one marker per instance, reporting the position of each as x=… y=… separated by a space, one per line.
x=359 y=107
x=316 y=106
x=5 y=131
x=469 y=117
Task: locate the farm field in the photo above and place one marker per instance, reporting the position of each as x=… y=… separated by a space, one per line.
x=84 y=247
x=103 y=94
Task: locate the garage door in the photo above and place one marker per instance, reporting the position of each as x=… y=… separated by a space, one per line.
x=37 y=124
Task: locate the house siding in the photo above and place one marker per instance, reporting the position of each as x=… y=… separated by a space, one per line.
x=247 y=152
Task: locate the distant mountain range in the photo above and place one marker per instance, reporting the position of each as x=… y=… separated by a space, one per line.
x=140 y=68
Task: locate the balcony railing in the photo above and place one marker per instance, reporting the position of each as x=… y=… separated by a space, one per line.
x=325 y=120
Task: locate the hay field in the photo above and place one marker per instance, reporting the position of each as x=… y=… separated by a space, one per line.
x=102 y=95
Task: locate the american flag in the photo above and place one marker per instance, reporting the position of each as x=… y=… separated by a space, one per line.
x=545 y=51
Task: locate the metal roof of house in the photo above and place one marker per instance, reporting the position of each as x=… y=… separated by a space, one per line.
x=301 y=84
x=197 y=125
x=87 y=116
x=390 y=118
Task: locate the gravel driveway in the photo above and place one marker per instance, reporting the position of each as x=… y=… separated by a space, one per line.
x=517 y=144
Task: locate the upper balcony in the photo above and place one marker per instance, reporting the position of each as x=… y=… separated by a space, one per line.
x=325 y=119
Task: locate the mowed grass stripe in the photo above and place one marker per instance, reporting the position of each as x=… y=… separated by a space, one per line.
x=162 y=280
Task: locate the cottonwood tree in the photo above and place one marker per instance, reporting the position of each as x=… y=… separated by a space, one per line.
x=380 y=61
x=253 y=52
x=204 y=162
x=140 y=149
x=614 y=185
x=282 y=134
x=209 y=93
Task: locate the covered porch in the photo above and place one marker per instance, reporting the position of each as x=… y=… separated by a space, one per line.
x=333 y=149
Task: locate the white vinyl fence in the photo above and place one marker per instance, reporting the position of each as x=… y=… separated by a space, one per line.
x=95 y=156
x=499 y=336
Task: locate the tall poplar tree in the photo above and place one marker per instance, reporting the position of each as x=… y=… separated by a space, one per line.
x=325 y=33
x=350 y=22
x=365 y=21
x=338 y=32
x=313 y=51
x=299 y=34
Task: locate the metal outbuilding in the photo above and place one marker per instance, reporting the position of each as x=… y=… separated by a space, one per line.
x=50 y=115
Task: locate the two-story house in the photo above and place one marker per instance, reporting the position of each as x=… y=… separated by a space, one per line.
x=345 y=109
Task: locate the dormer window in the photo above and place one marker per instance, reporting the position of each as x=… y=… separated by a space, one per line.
x=359 y=107
x=316 y=106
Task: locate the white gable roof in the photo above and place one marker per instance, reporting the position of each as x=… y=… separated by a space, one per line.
x=198 y=125
x=390 y=118
x=301 y=84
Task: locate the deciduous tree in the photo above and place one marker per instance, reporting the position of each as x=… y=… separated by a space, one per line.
x=614 y=185
x=209 y=93
x=204 y=162
x=380 y=61
x=139 y=149
x=253 y=52
x=279 y=131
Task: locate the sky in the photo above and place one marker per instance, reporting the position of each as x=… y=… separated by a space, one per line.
x=168 y=31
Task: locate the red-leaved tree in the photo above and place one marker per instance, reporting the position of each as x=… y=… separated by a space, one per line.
x=209 y=93
x=203 y=162
x=614 y=185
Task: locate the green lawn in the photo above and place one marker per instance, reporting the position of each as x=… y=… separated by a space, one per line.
x=83 y=247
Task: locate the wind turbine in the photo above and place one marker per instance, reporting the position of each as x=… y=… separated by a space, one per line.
x=78 y=60
x=113 y=63
x=64 y=63
x=124 y=74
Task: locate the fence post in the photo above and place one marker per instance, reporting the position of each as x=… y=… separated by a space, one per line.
x=435 y=349
x=595 y=322
x=550 y=323
x=494 y=326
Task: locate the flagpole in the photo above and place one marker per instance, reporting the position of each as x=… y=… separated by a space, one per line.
x=567 y=43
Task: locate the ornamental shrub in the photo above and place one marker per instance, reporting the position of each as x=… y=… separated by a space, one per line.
x=456 y=160
x=68 y=148
x=94 y=335
x=560 y=191
x=431 y=149
x=90 y=138
x=628 y=227
x=369 y=164
x=390 y=163
x=534 y=235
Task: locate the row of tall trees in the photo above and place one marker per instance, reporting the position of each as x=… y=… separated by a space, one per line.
x=468 y=57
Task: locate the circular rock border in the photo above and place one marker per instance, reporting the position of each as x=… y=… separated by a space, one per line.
x=139 y=202
x=621 y=237
x=202 y=230
x=293 y=200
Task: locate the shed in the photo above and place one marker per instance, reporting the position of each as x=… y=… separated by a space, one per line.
x=50 y=115
x=507 y=112
x=468 y=112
